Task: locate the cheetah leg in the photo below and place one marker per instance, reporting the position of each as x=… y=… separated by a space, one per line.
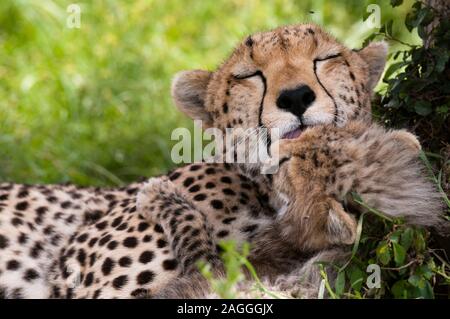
x=188 y=233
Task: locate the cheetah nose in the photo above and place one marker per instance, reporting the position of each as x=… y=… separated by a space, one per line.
x=297 y=100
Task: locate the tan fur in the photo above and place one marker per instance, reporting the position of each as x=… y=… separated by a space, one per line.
x=325 y=164
x=286 y=58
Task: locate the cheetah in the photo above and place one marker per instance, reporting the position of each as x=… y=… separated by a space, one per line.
x=289 y=78
x=318 y=172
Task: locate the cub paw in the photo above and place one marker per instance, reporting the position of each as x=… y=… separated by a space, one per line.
x=152 y=195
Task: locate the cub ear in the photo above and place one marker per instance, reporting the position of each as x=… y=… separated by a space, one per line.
x=189 y=92
x=341 y=226
x=375 y=54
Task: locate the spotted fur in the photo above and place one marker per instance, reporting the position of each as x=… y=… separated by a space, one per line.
x=93 y=258
x=319 y=171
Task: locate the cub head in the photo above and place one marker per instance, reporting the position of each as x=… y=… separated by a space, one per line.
x=288 y=78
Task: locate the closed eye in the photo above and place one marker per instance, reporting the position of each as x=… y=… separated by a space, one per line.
x=246 y=76
x=328 y=57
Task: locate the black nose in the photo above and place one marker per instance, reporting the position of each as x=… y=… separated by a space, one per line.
x=297 y=100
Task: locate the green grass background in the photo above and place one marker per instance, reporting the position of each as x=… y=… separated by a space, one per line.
x=92 y=105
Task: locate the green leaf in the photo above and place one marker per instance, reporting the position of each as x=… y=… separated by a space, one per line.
x=414 y=280
x=399 y=254
x=393 y=68
x=419 y=242
x=383 y=253
x=423 y=108
x=407 y=238
x=356 y=278
x=442 y=60
x=400 y=289
x=427 y=291
x=339 y=285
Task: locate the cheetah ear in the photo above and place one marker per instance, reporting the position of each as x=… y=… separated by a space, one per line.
x=189 y=93
x=341 y=226
x=375 y=54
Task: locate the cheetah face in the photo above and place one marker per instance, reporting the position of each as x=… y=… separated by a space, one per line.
x=289 y=78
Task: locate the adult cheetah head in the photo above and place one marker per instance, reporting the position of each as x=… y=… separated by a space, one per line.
x=288 y=78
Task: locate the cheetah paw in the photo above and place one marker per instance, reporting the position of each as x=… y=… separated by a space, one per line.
x=152 y=195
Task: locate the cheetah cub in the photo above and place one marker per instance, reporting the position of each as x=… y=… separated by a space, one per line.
x=320 y=169
x=317 y=173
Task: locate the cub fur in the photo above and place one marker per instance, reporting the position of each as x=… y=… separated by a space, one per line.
x=318 y=172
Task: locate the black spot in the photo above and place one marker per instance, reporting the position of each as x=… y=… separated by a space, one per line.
x=122 y=226
x=23 y=238
x=140 y=293
x=222 y=233
x=352 y=76
x=130 y=242
x=120 y=281
x=210 y=185
x=4 y=197
x=158 y=229
x=16 y=221
x=66 y=204
x=194 y=189
x=146 y=257
x=112 y=245
x=147 y=238
x=36 y=250
x=30 y=275
x=96 y=293
x=132 y=191
x=125 y=261
x=199 y=197
x=170 y=264
x=225 y=107
x=174 y=176
x=217 y=204
x=52 y=199
x=22 y=206
x=81 y=257
x=161 y=243
x=101 y=225
x=194 y=168
x=107 y=266
x=23 y=193
x=82 y=238
x=228 y=191
x=145 y=277
x=225 y=179
x=92 y=241
x=228 y=220
x=143 y=226
x=188 y=181
x=210 y=170
x=3 y=242
x=249 y=228
x=104 y=240
x=116 y=222
x=89 y=279
x=12 y=265
x=92 y=259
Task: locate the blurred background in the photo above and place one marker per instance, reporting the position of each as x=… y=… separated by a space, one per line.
x=91 y=105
